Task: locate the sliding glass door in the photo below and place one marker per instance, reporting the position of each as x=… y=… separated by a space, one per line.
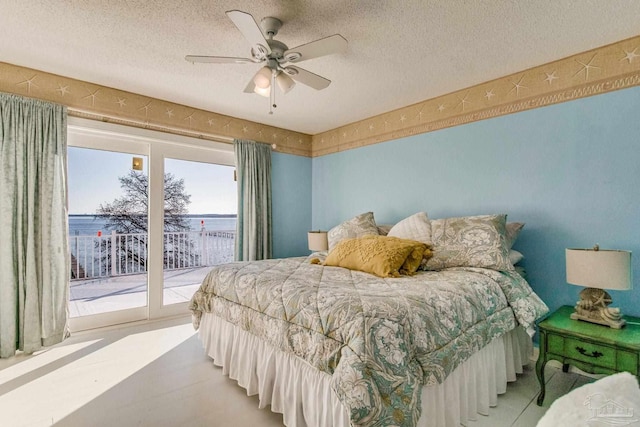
x=199 y=224
x=107 y=231
x=108 y=195
x=148 y=218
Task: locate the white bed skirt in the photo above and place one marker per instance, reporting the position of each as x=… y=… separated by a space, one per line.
x=304 y=397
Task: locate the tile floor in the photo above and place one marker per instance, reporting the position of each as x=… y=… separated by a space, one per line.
x=156 y=374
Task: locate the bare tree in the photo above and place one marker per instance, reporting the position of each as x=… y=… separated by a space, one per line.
x=128 y=215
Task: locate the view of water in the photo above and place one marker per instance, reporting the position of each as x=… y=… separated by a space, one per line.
x=88 y=225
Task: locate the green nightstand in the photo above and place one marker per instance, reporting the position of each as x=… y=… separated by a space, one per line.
x=593 y=348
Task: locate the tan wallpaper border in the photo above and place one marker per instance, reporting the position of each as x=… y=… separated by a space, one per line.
x=605 y=69
x=601 y=70
x=97 y=102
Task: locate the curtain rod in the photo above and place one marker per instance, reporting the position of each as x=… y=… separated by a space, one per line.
x=134 y=123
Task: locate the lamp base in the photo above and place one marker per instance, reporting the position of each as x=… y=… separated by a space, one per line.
x=593 y=307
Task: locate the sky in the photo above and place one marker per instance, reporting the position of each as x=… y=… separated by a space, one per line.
x=93 y=179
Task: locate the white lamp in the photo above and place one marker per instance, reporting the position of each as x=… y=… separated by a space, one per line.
x=598 y=270
x=318 y=241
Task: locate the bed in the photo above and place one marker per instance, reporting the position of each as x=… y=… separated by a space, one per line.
x=332 y=346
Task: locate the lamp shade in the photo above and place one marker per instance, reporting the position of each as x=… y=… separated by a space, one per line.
x=318 y=241
x=285 y=83
x=262 y=79
x=262 y=92
x=602 y=269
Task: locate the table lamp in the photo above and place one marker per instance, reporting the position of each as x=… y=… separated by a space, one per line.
x=318 y=241
x=598 y=270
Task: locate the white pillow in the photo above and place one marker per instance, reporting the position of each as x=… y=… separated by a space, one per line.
x=515 y=256
x=416 y=227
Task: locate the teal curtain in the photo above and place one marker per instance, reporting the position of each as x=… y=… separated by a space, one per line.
x=253 y=229
x=34 y=256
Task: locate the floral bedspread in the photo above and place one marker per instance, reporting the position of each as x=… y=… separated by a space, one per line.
x=380 y=339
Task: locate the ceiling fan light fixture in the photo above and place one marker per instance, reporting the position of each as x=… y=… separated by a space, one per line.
x=273 y=54
x=285 y=83
x=262 y=79
x=262 y=91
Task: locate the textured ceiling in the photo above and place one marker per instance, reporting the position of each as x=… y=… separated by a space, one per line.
x=400 y=52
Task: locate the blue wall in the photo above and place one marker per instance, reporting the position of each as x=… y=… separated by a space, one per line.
x=291 y=204
x=570 y=171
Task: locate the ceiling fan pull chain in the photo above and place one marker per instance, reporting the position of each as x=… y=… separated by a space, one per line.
x=272 y=97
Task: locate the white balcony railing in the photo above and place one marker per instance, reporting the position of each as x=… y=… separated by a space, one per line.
x=121 y=254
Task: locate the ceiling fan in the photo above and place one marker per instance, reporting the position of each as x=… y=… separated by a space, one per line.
x=276 y=56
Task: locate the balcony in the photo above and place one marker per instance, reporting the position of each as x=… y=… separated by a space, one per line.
x=109 y=272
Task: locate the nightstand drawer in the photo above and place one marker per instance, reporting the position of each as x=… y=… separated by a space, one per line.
x=587 y=352
x=594 y=354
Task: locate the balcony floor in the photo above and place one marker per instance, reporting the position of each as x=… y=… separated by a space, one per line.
x=102 y=295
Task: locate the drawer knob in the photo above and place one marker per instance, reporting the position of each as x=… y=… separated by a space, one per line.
x=594 y=354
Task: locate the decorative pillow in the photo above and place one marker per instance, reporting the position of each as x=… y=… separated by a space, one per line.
x=380 y=255
x=383 y=229
x=474 y=241
x=515 y=257
x=521 y=271
x=513 y=231
x=416 y=227
x=417 y=258
x=358 y=226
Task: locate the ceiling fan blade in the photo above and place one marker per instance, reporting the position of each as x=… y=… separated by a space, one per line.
x=250 y=87
x=326 y=46
x=217 y=59
x=307 y=77
x=249 y=28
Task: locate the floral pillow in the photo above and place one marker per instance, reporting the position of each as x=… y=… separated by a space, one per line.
x=513 y=230
x=383 y=229
x=474 y=241
x=358 y=226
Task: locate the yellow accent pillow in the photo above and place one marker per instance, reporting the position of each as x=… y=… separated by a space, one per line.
x=415 y=259
x=380 y=255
